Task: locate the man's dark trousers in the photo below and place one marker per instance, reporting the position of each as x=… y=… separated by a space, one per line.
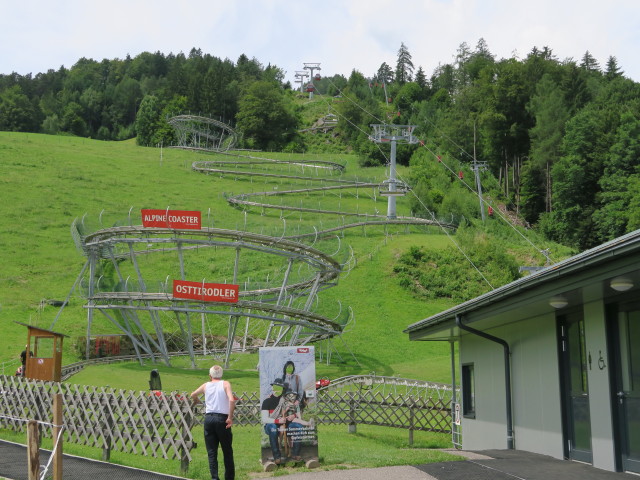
x=216 y=433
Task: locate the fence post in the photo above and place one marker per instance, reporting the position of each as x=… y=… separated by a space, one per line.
x=352 y=414
x=33 y=452
x=411 y=424
x=58 y=421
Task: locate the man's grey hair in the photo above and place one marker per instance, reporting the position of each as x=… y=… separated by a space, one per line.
x=216 y=371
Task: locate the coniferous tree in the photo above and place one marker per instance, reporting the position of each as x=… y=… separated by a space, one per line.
x=615 y=199
x=589 y=62
x=384 y=74
x=404 y=66
x=421 y=78
x=462 y=57
x=613 y=71
x=550 y=112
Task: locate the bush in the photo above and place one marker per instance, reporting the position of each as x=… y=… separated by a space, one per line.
x=448 y=274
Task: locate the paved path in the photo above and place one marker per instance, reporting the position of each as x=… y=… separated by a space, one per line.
x=382 y=473
x=13 y=465
x=485 y=465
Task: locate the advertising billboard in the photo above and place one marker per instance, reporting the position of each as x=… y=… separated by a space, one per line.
x=288 y=406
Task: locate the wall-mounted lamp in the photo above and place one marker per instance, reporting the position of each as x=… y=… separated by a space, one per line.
x=558 y=301
x=621 y=284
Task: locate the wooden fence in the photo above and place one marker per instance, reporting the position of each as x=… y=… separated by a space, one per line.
x=127 y=421
x=160 y=424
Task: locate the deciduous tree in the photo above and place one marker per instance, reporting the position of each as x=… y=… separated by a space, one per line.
x=265 y=117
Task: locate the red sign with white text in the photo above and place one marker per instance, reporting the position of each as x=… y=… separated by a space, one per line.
x=206 y=292
x=186 y=219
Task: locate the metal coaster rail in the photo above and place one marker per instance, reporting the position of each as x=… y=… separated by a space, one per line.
x=242 y=199
x=125 y=301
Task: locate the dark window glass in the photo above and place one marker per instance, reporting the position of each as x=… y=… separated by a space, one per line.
x=468 y=391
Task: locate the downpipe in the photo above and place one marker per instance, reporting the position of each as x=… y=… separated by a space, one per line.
x=507 y=373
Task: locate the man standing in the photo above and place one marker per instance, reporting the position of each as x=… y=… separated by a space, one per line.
x=219 y=406
x=23 y=359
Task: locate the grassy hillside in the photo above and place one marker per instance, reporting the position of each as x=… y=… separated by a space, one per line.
x=48 y=181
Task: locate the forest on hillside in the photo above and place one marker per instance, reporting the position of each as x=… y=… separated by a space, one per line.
x=559 y=138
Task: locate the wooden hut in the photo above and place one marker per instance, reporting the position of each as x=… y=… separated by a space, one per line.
x=44 y=354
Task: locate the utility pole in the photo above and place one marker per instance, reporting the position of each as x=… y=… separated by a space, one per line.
x=311 y=67
x=477 y=166
x=385 y=133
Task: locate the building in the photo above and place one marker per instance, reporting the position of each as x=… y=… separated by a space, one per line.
x=550 y=363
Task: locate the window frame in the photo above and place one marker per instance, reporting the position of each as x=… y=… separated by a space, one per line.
x=468 y=391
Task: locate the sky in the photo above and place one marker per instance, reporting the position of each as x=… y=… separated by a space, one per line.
x=340 y=35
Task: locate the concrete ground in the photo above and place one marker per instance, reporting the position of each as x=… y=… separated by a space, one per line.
x=485 y=465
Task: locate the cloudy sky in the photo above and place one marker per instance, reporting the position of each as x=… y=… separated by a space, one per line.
x=36 y=35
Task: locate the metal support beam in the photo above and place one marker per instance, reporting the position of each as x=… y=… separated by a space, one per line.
x=66 y=300
x=233 y=324
x=92 y=272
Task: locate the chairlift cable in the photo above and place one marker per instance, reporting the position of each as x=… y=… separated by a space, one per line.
x=423 y=144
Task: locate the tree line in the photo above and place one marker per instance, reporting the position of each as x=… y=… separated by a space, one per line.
x=560 y=138
x=120 y=99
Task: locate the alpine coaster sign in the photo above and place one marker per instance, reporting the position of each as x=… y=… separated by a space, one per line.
x=184 y=219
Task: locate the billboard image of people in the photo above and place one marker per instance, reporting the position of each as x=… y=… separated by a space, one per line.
x=287 y=399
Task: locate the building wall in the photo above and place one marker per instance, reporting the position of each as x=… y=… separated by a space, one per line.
x=535 y=388
x=487 y=430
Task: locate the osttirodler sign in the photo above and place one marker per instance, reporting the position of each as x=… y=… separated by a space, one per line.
x=288 y=406
x=206 y=292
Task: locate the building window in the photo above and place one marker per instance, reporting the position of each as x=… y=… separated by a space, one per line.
x=468 y=391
